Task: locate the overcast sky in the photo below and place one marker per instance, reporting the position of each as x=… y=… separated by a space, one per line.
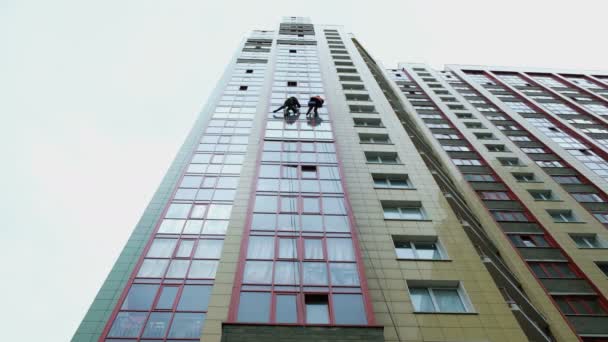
x=97 y=96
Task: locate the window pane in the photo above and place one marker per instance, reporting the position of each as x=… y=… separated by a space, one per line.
x=263 y=222
x=209 y=249
x=178 y=268
x=311 y=205
x=448 y=300
x=259 y=272
x=171 y=226
x=266 y=204
x=391 y=213
x=260 y=247
x=167 y=297
x=288 y=222
x=411 y=214
x=187 y=325
x=317 y=311
x=312 y=223
x=336 y=223
x=421 y=300
x=340 y=250
x=162 y=248
x=140 y=297
x=313 y=249
x=286 y=311
x=333 y=205
x=427 y=250
x=157 y=324
x=194 y=298
x=153 y=268
x=344 y=274
x=177 y=210
x=185 y=249
x=349 y=309
x=254 y=307
x=286 y=273
x=288 y=249
x=215 y=227
x=193 y=227
x=203 y=269
x=314 y=273
x=218 y=211
x=127 y=324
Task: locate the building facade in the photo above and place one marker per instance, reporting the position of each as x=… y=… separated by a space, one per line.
x=418 y=205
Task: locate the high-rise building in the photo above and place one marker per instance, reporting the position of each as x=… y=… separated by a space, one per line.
x=419 y=205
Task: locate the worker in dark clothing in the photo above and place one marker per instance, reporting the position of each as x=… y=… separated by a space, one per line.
x=292 y=104
x=315 y=103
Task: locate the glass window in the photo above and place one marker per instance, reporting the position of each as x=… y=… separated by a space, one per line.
x=209 y=249
x=194 y=298
x=344 y=274
x=171 y=226
x=191 y=182
x=140 y=297
x=409 y=211
x=203 y=269
x=314 y=273
x=437 y=299
x=193 y=227
x=199 y=210
x=286 y=309
x=340 y=249
x=286 y=273
x=603 y=266
x=266 y=204
x=215 y=227
x=127 y=324
x=418 y=248
x=167 y=298
x=562 y=215
x=162 y=248
x=260 y=247
x=178 y=210
x=317 y=309
x=157 y=325
x=448 y=300
x=336 y=223
x=313 y=249
x=178 y=269
x=288 y=248
x=187 y=325
x=219 y=211
x=258 y=272
x=349 y=309
x=153 y=268
x=185 y=248
x=254 y=307
x=588 y=241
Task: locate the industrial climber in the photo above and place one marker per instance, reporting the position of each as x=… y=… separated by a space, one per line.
x=292 y=104
x=315 y=103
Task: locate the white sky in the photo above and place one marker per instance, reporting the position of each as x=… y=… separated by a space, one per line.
x=97 y=96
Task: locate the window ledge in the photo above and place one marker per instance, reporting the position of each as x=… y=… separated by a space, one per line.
x=550 y=200
x=530 y=182
x=384 y=163
x=445 y=313
x=387 y=188
x=397 y=219
x=373 y=143
x=571 y=222
x=410 y=259
x=600 y=248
